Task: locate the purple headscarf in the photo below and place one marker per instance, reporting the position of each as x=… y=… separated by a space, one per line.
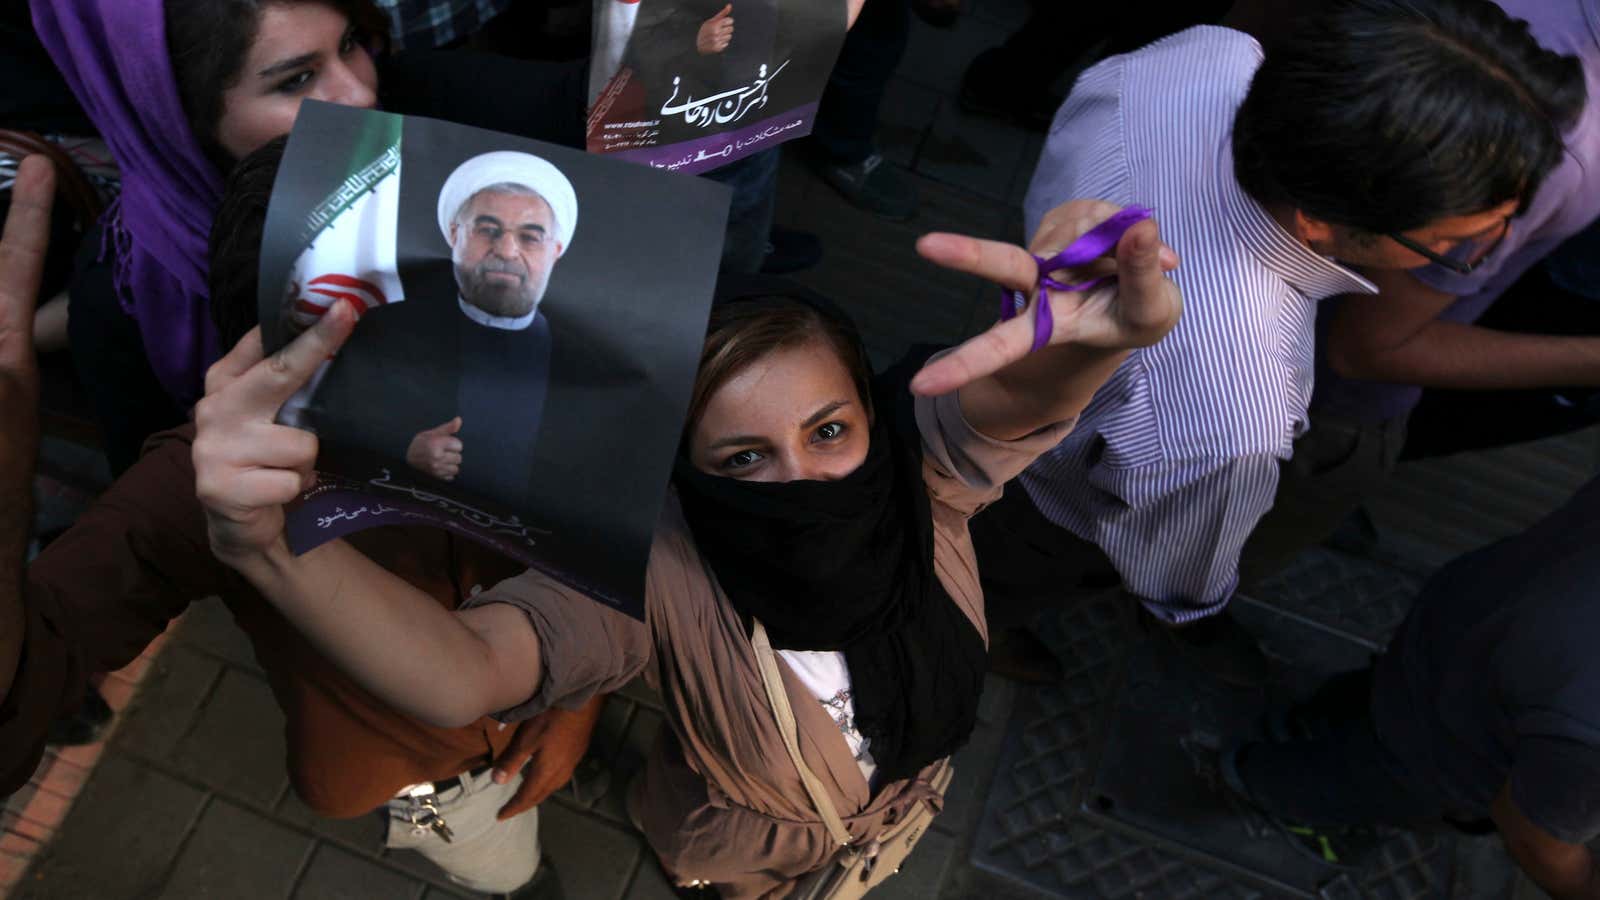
x=113 y=54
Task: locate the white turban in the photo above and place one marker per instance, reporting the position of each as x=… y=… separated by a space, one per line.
x=509 y=167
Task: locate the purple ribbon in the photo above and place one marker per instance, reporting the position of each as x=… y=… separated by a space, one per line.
x=1089 y=246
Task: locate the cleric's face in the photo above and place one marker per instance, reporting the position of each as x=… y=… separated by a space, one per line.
x=504 y=246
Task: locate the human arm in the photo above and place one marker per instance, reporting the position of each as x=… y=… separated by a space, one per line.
x=1567 y=871
x=1005 y=390
x=437 y=451
x=1174 y=529
x=22 y=252
x=445 y=668
x=546 y=749
x=1396 y=335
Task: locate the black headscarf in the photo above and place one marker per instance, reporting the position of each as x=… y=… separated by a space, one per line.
x=847 y=566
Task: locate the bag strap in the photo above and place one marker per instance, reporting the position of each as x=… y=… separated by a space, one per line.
x=772 y=680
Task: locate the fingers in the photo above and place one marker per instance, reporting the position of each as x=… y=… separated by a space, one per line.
x=530 y=793
x=239 y=360
x=268 y=384
x=22 y=251
x=983 y=355
x=1005 y=264
x=1148 y=299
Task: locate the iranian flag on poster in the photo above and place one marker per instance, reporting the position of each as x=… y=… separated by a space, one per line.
x=349 y=242
x=350 y=237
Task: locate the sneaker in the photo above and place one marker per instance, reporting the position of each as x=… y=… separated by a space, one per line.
x=1218 y=645
x=873 y=186
x=789 y=250
x=938 y=13
x=1343 y=846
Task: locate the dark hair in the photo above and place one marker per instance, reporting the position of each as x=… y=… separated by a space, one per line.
x=742 y=331
x=208 y=41
x=236 y=242
x=1385 y=115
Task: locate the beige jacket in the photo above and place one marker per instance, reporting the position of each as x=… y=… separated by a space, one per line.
x=721 y=801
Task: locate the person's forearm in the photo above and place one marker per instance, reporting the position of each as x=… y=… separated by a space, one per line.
x=1455 y=356
x=1050 y=386
x=1579 y=881
x=18 y=450
x=392 y=638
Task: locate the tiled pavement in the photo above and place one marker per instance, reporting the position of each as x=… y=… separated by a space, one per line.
x=189 y=798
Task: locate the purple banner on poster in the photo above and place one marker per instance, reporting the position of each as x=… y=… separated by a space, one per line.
x=717 y=150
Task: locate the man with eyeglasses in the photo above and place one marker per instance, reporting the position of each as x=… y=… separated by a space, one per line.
x=1528 y=367
x=1373 y=129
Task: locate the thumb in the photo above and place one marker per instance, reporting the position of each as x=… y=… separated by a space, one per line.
x=724 y=12
x=450 y=427
x=1139 y=269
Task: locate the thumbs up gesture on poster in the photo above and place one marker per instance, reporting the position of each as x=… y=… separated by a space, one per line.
x=716 y=32
x=437 y=451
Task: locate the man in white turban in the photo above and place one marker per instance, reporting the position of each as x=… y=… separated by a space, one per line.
x=453 y=379
x=508 y=217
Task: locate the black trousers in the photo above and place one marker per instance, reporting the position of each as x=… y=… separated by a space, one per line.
x=1027 y=564
x=847 y=117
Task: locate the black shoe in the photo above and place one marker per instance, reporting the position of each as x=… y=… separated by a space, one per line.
x=789 y=250
x=1018 y=654
x=939 y=16
x=544 y=885
x=84 y=726
x=874 y=186
x=990 y=88
x=1344 y=846
x=1217 y=644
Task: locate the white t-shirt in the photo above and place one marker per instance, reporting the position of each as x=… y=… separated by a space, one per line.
x=825 y=675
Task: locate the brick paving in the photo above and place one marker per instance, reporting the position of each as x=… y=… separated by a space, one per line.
x=188 y=797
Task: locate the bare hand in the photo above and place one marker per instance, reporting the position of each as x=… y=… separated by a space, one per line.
x=22 y=251
x=551 y=745
x=1140 y=310
x=715 y=33
x=437 y=451
x=246 y=465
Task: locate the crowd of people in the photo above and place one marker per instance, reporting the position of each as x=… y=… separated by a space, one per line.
x=1374 y=237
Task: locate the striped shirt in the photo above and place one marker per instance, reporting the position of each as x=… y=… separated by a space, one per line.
x=1176 y=457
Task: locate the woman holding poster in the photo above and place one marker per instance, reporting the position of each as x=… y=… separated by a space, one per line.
x=813 y=616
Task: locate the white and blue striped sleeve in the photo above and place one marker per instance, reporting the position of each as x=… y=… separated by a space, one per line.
x=1177 y=534
x=1086 y=156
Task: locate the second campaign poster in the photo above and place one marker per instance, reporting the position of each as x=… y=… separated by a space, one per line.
x=692 y=85
x=531 y=322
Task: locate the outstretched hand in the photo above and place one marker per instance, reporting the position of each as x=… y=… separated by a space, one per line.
x=1140 y=310
x=715 y=33
x=246 y=465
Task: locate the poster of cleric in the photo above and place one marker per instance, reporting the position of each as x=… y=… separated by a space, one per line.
x=530 y=323
x=692 y=85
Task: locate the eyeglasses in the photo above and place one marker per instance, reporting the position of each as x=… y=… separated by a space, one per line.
x=1465 y=256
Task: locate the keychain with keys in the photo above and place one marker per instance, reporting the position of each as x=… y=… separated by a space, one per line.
x=423 y=813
